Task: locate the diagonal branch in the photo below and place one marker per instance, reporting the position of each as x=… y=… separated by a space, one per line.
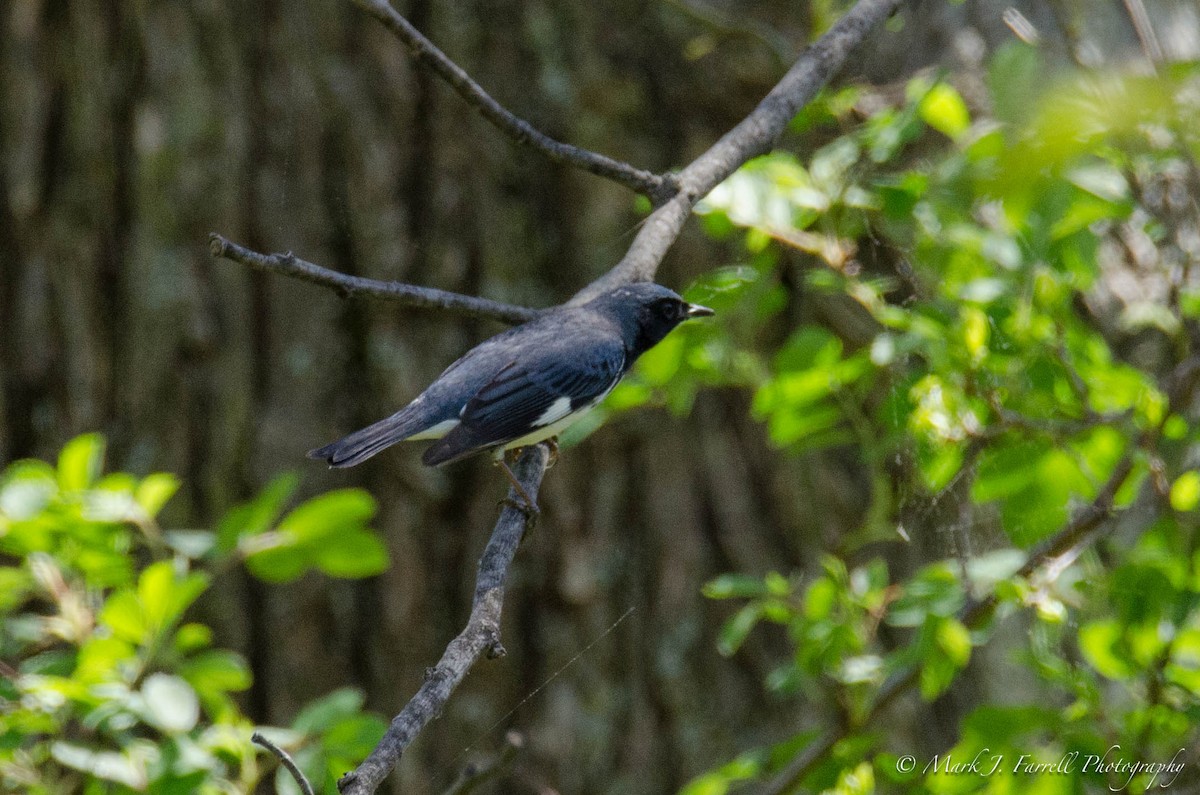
x=753 y=136
x=480 y=636
x=658 y=188
x=347 y=286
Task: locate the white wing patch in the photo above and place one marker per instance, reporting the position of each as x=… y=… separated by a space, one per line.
x=560 y=423
x=554 y=412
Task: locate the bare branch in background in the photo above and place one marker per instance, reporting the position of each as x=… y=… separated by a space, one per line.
x=350 y=286
x=658 y=188
x=480 y=636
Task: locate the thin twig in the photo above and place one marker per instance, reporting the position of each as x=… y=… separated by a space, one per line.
x=476 y=775
x=350 y=286
x=286 y=760
x=658 y=188
x=753 y=136
x=480 y=636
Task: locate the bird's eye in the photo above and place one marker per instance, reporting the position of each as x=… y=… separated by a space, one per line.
x=669 y=309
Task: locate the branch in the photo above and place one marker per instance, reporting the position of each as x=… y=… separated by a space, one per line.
x=753 y=136
x=658 y=188
x=349 y=286
x=480 y=636
x=286 y=760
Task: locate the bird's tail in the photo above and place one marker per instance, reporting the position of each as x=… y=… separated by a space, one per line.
x=361 y=445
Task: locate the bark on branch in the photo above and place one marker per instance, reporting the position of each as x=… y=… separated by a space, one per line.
x=657 y=187
x=348 y=286
x=480 y=636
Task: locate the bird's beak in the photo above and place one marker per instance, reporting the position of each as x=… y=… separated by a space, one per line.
x=695 y=310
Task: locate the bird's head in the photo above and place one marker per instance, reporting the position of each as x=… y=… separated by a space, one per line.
x=646 y=313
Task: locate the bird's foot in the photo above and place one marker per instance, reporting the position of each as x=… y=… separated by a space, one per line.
x=525 y=504
x=552 y=448
x=532 y=512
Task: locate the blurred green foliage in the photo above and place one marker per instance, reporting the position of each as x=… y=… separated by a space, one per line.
x=975 y=246
x=107 y=686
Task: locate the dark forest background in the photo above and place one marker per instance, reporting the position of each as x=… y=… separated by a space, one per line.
x=129 y=130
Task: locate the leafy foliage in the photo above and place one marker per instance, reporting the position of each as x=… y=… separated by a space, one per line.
x=108 y=687
x=998 y=312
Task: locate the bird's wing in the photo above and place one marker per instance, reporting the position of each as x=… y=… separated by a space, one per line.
x=528 y=395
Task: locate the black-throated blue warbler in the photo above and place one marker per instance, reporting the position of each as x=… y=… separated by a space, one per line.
x=526 y=384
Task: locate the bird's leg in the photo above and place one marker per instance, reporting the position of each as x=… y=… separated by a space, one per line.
x=528 y=506
x=552 y=447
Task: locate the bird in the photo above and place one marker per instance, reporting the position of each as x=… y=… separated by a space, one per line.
x=527 y=384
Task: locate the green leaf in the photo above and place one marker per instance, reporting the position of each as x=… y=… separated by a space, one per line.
x=154 y=491
x=327 y=515
x=937 y=674
x=279 y=563
x=735 y=631
x=1099 y=641
x=216 y=671
x=15 y=585
x=943 y=109
x=1185 y=491
x=80 y=462
x=734 y=586
x=954 y=640
x=319 y=715
x=351 y=738
x=164 y=595
x=352 y=554
x=122 y=613
x=257 y=516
